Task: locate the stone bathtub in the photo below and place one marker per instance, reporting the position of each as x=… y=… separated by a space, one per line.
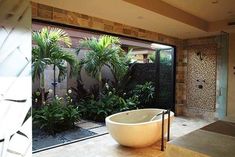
x=135 y=129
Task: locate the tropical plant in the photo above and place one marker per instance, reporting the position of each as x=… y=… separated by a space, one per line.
x=109 y=103
x=122 y=84
x=125 y=61
x=37 y=98
x=145 y=92
x=48 y=51
x=165 y=58
x=56 y=116
x=152 y=57
x=79 y=91
x=104 y=51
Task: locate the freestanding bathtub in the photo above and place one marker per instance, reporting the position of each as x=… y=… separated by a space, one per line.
x=134 y=128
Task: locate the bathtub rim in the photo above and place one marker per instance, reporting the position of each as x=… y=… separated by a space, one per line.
x=107 y=119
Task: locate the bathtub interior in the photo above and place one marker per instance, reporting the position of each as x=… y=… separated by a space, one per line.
x=136 y=116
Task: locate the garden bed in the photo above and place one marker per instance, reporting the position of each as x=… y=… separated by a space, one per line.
x=83 y=129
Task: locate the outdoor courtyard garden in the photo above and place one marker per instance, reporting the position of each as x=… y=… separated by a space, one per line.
x=55 y=117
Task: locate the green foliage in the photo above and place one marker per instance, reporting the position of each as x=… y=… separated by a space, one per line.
x=37 y=98
x=48 y=51
x=121 y=85
x=165 y=58
x=56 y=116
x=145 y=92
x=104 y=51
x=79 y=91
x=124 y=61
x=152 y=57
x=71 y=115
x=109 y=103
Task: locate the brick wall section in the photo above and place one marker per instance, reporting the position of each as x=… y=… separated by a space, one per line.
x=181 y=75
x=40 y=11
x=48 y=13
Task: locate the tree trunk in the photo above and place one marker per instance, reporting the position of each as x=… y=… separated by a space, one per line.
x=54 y=83
x=42 y=87
x=100 y=83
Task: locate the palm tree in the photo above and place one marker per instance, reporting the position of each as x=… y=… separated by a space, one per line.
x=104 y=51
x=48 y=51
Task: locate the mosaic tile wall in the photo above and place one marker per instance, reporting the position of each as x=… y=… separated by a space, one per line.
x=201 y=102
x=201 y=80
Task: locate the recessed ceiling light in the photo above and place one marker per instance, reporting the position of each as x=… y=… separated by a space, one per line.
x=140 y=17
x=214 y=2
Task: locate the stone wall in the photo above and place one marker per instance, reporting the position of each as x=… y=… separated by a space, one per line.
x=48 y=13
x=181 y=74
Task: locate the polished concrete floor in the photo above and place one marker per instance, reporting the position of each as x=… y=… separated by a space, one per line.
x=105 y=146
x=214 y=140
x=201 y=143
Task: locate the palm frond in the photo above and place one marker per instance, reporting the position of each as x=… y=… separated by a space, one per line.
x=48 y=50
x=106 y=50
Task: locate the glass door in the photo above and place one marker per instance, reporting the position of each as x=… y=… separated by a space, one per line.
x=222 y=83
x=165 y=78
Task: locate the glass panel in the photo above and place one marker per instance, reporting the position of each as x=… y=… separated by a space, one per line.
x=222 y=66
x=165 y=87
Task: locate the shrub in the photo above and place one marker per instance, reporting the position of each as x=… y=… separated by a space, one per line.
x=56 y=116
x=104 y=51
x=108 y=104
x=37 y=98
x=145 y=93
